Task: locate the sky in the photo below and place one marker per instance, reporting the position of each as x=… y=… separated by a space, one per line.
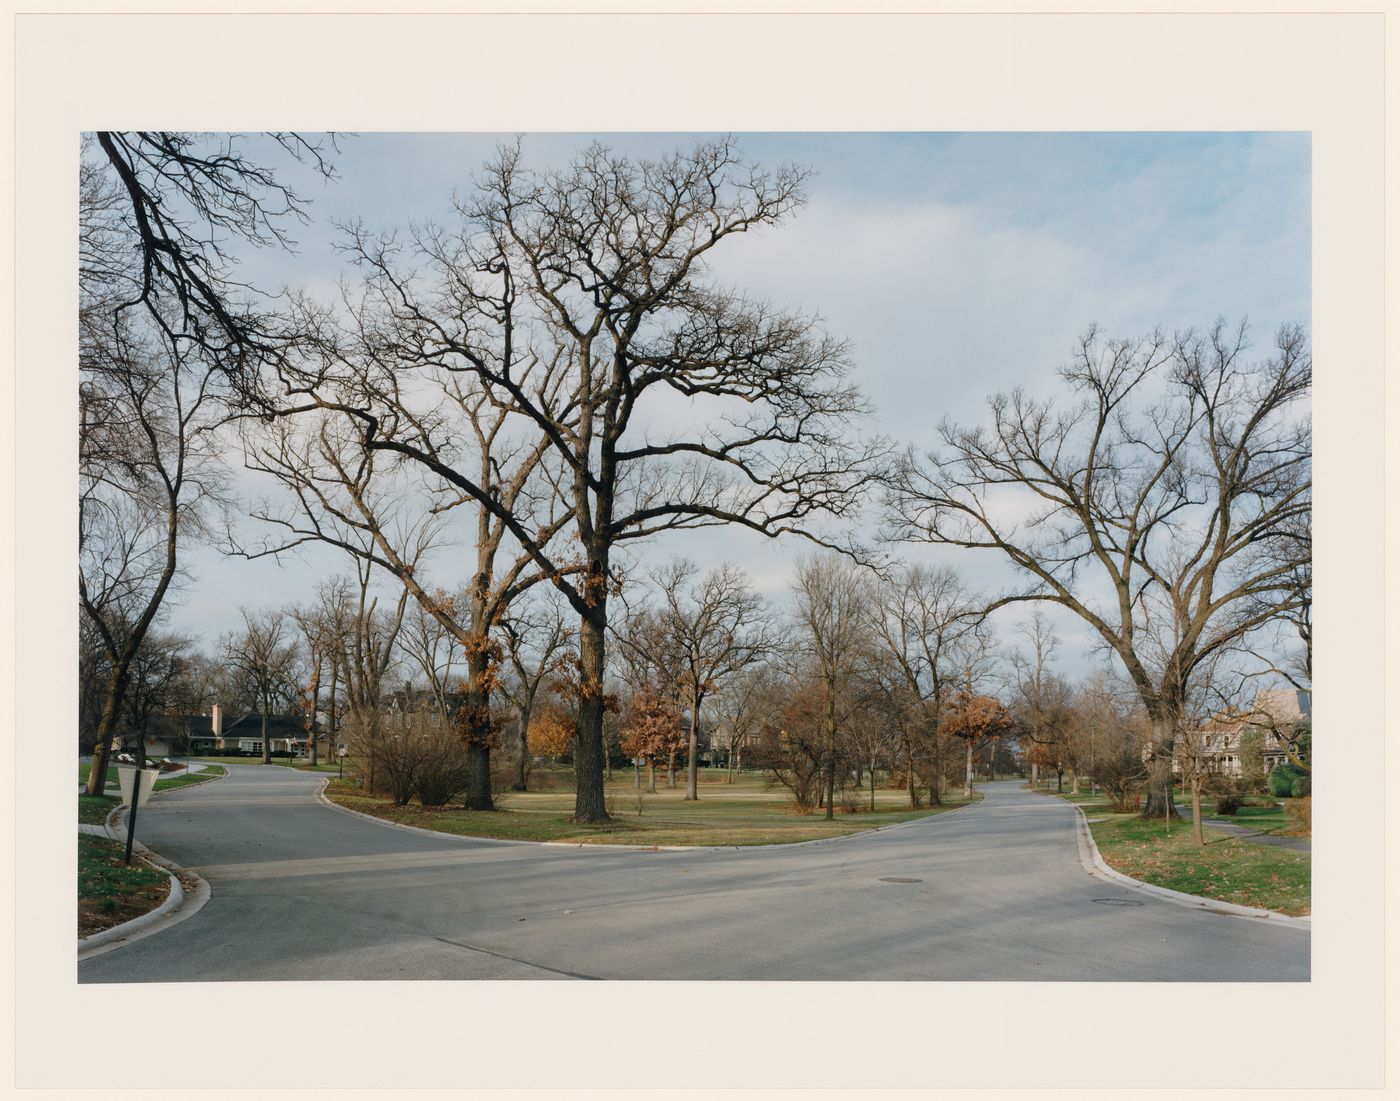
x=957 y=265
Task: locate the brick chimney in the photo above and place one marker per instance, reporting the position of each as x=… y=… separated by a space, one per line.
x=216 y=720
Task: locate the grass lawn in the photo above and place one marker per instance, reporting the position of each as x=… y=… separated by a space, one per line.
x=93 y=809
x=110 y=892
x=85 y=770
x=745 y=812
x=1227 y=868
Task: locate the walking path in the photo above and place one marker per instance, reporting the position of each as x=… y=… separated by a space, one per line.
x=1297 y=844
x=302 y=890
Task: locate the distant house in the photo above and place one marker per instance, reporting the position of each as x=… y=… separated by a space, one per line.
x=167 y=735
x=717 y=742
x=1275 y=712
x=198 y=735
x=285 y=733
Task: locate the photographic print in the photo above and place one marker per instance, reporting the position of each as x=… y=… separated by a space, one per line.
x=836 y=556
x=798 y=526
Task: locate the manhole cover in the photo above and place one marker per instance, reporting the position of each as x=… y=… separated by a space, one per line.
x=898 y=879
x=1117 y=902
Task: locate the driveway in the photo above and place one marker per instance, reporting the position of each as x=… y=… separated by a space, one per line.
x=993 y=892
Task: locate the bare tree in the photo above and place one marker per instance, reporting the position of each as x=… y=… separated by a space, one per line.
x=434 y=649
x=537 y=638
x=320 y=646
x=744 y=704
x=579 y=301
x=264 y=654
x=1160 y=486
x=1041 y=701
x=920 y=615
x=155 y=674
x=179 y=201
x=156 y=211
x=715 y=627
x=149 y=475
x=833 y=616
x=343 y=499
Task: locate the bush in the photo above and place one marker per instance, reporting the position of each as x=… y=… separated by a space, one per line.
x=441 y=769
x=1299 y=814
x=1302 y=786
x=1228 y=804
x=1281 y=780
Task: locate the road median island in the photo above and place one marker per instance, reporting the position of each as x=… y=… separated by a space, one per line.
x=744 y=813
x=1226 y=868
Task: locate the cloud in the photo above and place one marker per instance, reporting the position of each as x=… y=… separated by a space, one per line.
x=957 y=266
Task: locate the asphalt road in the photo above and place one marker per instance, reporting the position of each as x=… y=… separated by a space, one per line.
x=992 y=892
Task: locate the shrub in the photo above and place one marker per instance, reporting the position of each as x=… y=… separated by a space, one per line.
x=1299 y=814
x=1302 y=786
x=1281 y=780
x=441 y=769
x=1228 y=804
x=1125 y=802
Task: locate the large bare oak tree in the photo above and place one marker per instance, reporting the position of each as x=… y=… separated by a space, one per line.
x=1167 y=488
x=579 y=302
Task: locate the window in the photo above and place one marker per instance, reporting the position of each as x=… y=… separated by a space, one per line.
x=250 y=745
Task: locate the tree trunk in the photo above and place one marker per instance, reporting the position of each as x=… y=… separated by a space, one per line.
x=1197 y=834
x=872 y=785
x=522 y=765
x=1035 y=776
x=333 y=738
x=101 y=750
x=651 y=776
x=692 y=768
x=476 y=729
x=266 y=744
x=1159 y=803
x=479 y=777
x=967 y=788
x=671 y=770
x=589 y=800
x=1073 y=781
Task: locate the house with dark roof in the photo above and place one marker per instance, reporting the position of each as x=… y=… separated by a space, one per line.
x=198 y=735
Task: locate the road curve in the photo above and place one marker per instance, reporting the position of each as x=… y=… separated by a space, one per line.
x=993 y=892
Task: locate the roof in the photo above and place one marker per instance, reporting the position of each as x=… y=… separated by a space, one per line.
x=278 y=726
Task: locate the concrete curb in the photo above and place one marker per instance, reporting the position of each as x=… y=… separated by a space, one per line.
x=1094 y=864
x=177 y=906
x=321 y=795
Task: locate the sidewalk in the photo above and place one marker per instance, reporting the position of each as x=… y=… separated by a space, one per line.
x=1297 y=844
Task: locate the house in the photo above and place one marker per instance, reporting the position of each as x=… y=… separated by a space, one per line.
x=716 y=741
x=1218 y=744
x=199 y=735
x=166 y=735
x=285 y=733
x=1275 y=711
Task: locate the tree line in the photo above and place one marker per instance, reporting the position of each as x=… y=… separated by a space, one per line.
x=537 y=387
